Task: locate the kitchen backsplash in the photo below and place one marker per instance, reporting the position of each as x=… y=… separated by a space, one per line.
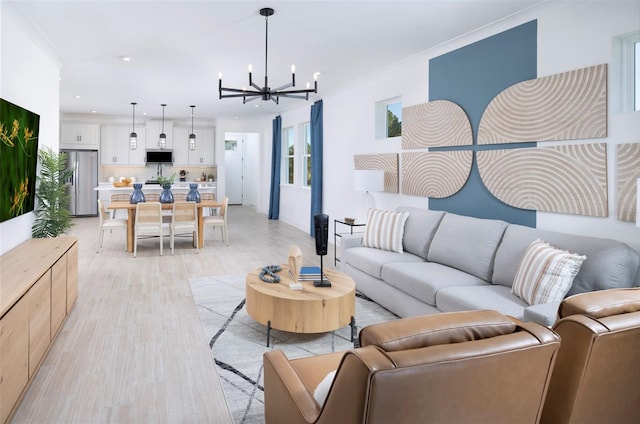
x=150 y=172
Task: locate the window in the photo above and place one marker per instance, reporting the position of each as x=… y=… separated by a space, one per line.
x=306 y=155
x=625 y=70
x=288 y=155
x=389 y=118
x=636 y=77
x=231 y=145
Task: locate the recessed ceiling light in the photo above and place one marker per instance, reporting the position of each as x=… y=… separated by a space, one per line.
x=124 y=58
x=93 y=111
x=257 y=105
x=77 y=96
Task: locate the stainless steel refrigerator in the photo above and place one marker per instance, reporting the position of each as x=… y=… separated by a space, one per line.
x=84 y=199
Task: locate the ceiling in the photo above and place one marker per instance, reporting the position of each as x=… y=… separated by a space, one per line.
x=177 y=48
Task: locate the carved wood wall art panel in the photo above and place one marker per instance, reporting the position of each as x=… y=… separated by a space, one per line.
x=565 y=179
x=435 y=174
x=388 y=162
x=435 y=124
x=566 y=106
x=628 y=166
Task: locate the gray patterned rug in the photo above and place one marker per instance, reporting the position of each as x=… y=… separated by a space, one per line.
x=238 y=342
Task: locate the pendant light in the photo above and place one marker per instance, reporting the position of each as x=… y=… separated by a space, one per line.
x=192 y=136
x=133 y=137
x=162 y=141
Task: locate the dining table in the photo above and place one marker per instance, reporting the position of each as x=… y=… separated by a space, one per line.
x=131 y=217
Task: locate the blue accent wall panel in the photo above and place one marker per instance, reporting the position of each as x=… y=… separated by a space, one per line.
x=471 y=77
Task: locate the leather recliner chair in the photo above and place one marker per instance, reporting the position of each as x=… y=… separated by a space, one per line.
x=476 y=366
x=597 y=373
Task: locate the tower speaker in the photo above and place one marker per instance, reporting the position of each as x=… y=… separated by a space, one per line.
x=321 y=225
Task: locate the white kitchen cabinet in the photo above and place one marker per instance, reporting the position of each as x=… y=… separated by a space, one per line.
x=153 y=130
x=205 y=146
x=114 y=146
x=79 y=136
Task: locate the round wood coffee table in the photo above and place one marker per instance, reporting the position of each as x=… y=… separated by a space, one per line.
x=310 y=310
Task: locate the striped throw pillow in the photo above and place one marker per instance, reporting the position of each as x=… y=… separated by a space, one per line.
x=385 y=230
x=546 y=273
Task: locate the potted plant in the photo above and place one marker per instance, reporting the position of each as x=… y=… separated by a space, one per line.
x=52 y=218
x=166 y=196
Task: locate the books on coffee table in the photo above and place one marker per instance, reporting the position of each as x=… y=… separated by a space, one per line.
x=310 y=273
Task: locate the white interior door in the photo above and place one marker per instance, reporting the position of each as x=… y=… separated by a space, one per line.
x=234 y=169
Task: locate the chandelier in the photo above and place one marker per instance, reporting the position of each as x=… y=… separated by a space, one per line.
x=266 y=92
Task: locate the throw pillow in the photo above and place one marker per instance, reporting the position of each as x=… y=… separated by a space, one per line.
x=545 y=273
x=385 y=230
x=322 y=391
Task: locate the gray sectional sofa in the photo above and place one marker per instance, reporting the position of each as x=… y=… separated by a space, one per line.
x=455 y=263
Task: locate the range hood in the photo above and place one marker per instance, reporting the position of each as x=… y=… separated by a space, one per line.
x=159 y=156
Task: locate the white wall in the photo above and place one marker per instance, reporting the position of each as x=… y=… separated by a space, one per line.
x=30 y=78
x=570 y=36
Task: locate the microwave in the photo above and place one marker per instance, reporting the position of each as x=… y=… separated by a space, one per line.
x=159 y=156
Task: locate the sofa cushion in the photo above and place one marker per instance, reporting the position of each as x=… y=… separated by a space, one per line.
x=609 y=263
x=370 y=260
x=545 y=313
x=466 y=243
x=423 y=280
x=385 y=230
x=489 y=296
x=419 y=229
x=545 y=273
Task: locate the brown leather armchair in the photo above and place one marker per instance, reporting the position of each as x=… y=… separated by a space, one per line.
x=476 y=366
x=597 y=373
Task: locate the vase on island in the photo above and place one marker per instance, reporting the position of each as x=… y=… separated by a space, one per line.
x=193 y=195
x=137 y=196
x=166 y=196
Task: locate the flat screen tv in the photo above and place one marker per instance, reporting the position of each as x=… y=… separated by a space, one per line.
x=18 y=159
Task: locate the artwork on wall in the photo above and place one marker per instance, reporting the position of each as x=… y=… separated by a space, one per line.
x=435 y=174
x=435 y=124
x=387 y=162
x=18 y=159
x=471 y=77
x=567 y=106
x=569 y=179
x=628 y=166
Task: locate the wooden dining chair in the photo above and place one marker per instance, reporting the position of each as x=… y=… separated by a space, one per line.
x=184 y=221
x=118 y=197
x=218 y=221
x=209 y=196
x=148 y=223
x=108 y=224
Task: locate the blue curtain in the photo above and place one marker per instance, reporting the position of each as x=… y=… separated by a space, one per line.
x=276 y=147
x=316 y=162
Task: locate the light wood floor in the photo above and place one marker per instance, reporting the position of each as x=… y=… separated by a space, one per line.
x=133 y=348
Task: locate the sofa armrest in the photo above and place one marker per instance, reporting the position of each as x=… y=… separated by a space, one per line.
x=349 y=241
x=431 y=330
x=285 y=393
x=543 y=313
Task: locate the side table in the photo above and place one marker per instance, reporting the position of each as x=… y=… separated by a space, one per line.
x=336 y=234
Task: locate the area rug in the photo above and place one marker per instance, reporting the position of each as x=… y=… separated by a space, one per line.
x=238 y=342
